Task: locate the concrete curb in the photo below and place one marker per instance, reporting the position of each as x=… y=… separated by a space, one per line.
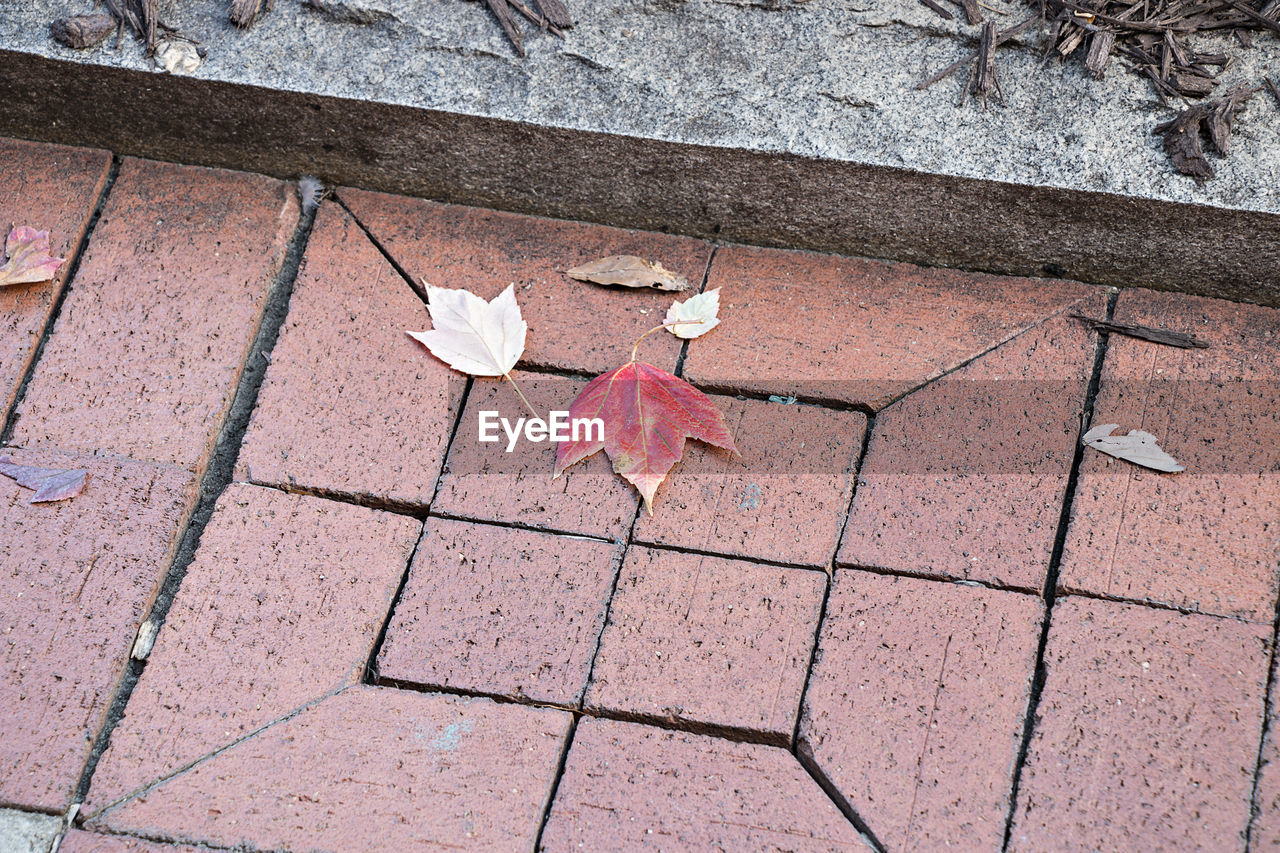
x=1067 y=188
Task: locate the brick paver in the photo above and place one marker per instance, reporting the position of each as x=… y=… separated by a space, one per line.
x=740 y=678
x=1205 y=539
x=916 y=705
x=709 y=641
x=79 y=841
x=631 y=787
x=1147 y=731
x=483 y=481
x=281 y=605
x=77 y=578
x=498 y=610
x=50 y=188
x=965 y=477
x=783 y=499
x=146 y=353
x=369 y=769
x=573 y=325
x=854 y=330
x=379 y=408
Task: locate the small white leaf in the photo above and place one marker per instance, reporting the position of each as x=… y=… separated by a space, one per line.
x=1137 y=447
x=697 y=315
x=476 y=337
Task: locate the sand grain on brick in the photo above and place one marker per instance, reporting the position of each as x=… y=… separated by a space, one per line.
x=965 y=477
x=351 y=403
x=77 y=577
x=916 y=704
x=708 y=640
x=853 y=330
x=281 y=605
x=370 y=769
x=1147 y=731
x=50 y=188
x=146 y=353
x=633 y=787
x=783 y=499
x=500 y=610
x=1205 y=539
x=485 y=482
x=573 y=325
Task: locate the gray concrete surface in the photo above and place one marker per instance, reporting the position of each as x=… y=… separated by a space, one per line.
x=762 y=121
x=27 y=832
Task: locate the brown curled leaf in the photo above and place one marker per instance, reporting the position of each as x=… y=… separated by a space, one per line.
x=629 y=271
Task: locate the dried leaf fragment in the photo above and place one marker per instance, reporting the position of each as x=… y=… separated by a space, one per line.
x=1137 y=446
x=476 y=337
x=50 y=484
x=647 y=415
x=28 y=255
x=177 y=56
x=695 y=316
x=629 y=271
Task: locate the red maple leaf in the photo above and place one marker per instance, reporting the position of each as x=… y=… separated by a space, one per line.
x=647 y=414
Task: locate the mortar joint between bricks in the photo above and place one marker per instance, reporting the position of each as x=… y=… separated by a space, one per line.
x=1268 y=711
x=371 y=667
x=1049 y=593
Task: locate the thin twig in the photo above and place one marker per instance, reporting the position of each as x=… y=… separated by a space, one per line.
x=1001 y=38
x=635 y=348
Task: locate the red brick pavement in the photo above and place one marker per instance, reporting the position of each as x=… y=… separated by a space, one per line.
x=49 y=188
x=392 y=636
x=1205 y=540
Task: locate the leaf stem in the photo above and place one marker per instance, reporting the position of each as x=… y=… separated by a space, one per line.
x=523 y=399
x=663 y=326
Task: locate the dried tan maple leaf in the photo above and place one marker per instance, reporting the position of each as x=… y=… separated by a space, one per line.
x=1137 y=447
x=629 y=271
x=29 y=259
